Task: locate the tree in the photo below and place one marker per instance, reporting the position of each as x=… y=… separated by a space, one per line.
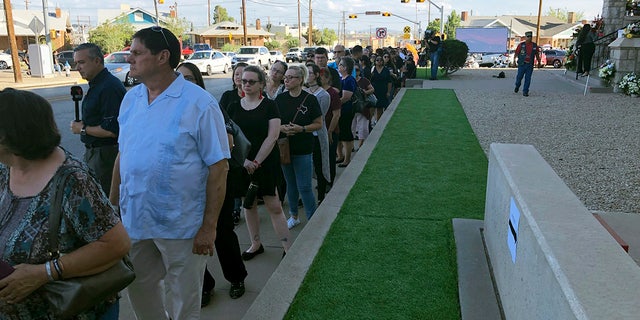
x=434 y=25
x=454 y=55
x=220 y=14
x=317 y=36
x=291 y=42
x=453 y=21
x=112 y=36
x=177 y=26
x=329 y=36
x=272 y=45
x=563 y=14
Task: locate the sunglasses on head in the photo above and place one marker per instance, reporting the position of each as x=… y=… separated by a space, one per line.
x=159 y=29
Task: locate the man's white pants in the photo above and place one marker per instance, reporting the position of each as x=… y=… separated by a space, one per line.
x=169 y=263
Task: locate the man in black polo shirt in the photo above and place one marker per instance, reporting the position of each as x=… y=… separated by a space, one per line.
x=99 y=128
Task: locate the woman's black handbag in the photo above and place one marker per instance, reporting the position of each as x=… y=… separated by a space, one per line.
x=69 y=297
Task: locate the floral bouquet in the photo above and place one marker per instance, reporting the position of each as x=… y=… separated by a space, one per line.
x=607 y=70
x=632 y=30
x=630 y=84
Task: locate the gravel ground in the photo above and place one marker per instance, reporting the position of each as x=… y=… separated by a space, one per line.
x=592 y=141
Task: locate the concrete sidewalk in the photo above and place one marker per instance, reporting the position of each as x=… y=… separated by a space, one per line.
x=7 y=80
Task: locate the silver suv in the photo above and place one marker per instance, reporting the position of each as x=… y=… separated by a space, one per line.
x=294 y=55
x=253 y=55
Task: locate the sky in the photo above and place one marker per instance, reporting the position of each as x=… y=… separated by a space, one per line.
x=328 y=13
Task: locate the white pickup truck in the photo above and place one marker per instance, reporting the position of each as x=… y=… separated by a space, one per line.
x=294 y=55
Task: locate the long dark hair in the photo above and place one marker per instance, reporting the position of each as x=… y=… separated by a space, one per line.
x=196 y=73
x=586 y=28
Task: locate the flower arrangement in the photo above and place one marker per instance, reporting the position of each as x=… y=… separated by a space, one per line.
x=632 y=30
x=607 y=71
x=630 y=84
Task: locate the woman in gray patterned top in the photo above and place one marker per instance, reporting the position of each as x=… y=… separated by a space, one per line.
x=91 y=235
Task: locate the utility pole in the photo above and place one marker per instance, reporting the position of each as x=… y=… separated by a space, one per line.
x=208 y=12
x=299 y=26
x=155 y=5
x=538 y=26
x=310 y=25
x=244 y=22
x=344 y=29
x=11 y=33
x=26 y=4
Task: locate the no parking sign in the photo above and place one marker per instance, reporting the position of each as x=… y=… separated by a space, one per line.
x=381 y=33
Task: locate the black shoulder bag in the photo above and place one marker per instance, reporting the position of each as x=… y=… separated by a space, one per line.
x=70 y=297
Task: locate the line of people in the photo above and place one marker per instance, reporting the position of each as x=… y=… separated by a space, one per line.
x=172 y=197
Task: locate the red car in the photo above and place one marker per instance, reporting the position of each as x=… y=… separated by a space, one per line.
x=186 y=51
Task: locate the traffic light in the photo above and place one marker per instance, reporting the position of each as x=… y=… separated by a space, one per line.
x=353 y=16
x=386 y=14
x=53 y=33
x=161 y=1
x=420 y=1
x=404 y=1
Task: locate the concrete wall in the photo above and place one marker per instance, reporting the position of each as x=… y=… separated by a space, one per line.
x=566 y=264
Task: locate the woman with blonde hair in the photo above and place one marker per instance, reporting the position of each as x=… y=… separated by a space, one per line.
x=301 y=115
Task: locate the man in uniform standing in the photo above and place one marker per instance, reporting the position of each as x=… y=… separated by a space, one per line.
x=98 y=128
x=526 y=53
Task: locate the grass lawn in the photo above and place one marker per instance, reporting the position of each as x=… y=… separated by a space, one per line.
x=390 y=253
x=421 y=73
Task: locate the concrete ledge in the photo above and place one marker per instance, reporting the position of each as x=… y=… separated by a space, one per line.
x=478 y=299
x=280 y=290
x=566 y=265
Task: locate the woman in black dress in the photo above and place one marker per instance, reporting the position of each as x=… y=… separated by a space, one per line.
x=259 y=120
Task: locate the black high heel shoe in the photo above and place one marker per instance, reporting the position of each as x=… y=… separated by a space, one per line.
x=246 y=256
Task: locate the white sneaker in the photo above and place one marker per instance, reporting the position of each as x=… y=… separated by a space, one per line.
x=291 y=222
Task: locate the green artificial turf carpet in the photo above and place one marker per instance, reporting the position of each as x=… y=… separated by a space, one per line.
x=390 y=253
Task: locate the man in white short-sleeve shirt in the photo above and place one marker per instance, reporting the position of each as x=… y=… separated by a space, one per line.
x=170 y=178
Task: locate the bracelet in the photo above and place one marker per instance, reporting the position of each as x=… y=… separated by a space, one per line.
x=56 y=265
x=47 y=267
x=256 y=163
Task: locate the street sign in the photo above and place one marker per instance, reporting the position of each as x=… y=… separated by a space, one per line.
x=372 y=13
x=407 y=29
x=381 y=33
x=406 y=36
x=36 y=25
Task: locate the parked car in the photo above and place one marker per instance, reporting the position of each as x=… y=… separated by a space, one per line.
x=210 y=61
x=556 y=58
x=64 y=57
x=229 y=54
x=201 y=46
x=294 y=55
x=489 y=59
x=186 y=51
x=309 y=52
x=117 y=64
x=253 y=55
x=22 y=55
x=5 y=61
x=276 y=56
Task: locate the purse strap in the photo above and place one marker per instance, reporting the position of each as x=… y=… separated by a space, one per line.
x=55 y=209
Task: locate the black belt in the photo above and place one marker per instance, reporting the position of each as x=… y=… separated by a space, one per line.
x=98 y=145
